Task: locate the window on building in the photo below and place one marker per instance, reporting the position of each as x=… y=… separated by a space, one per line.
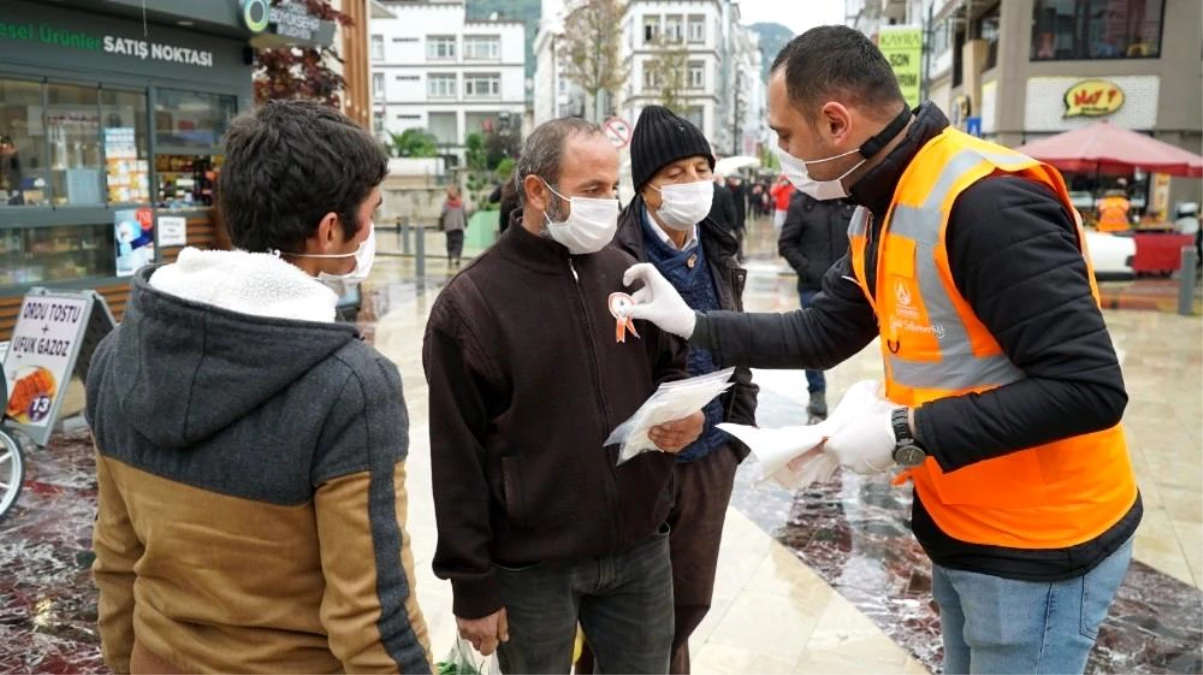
x=697 y=75
x=441 y=85
x=408 y=78
x=986 y=27
x=126 y=131
x=1072 y=30
x=482 y=85
x=185 y=119
x=22 y=145
x=440 y=47
x=941 y=37
x=378 y=123
x=378 y=86
x=651 y=75
x=482 y=47
x=674 y=28
x=697 y=28
x=651 y=29
x=445 y=127
x=377 y=47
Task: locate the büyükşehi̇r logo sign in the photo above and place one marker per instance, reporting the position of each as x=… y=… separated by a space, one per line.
x=255 y=15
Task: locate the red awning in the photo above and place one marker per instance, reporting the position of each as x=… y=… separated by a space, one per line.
x=1105 y=148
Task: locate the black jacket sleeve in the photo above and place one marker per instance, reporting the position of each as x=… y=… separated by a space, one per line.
x=789 y=244
x=1014 y=255
x=839 y=324
x=458 y=390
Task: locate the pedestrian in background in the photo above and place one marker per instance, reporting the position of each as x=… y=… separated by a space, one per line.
x=453 y=221
x=814 y=238
x=781 y=193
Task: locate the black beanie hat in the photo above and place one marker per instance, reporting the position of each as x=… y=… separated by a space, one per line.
x=662 y=137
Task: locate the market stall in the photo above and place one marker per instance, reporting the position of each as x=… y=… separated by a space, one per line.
x=1105 y=149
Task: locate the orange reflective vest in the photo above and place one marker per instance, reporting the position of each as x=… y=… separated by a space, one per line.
x=1113 y=214
x=934 y=346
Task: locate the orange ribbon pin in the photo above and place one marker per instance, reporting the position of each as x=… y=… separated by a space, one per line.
x=620 y=307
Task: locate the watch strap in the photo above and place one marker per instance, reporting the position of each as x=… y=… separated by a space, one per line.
x=900 y=419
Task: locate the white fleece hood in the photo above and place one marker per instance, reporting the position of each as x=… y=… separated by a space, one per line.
x=258 y=284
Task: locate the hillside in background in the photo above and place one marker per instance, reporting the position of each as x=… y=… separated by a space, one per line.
x=526 y=11
x=773 y=38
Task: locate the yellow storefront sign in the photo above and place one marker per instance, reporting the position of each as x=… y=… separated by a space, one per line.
x=903 y=48
x=1093 y=98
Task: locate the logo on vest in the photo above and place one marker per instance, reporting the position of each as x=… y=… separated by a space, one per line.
x=909 y=326
x=904 y=296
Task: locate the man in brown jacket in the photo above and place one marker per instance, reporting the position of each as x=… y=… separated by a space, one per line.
x=251 y=451
x=538 y=527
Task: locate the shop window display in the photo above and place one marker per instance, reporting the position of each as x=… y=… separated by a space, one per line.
x=1072 y=30
x=186 y=181
x=35 y=255
x=73 y=133
x=22 y=145
x=185 y=119
x=127 y=166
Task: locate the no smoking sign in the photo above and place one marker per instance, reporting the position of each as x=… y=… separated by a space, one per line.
x=618 y=131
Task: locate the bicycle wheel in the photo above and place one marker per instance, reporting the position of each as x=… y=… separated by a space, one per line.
x=12 y=472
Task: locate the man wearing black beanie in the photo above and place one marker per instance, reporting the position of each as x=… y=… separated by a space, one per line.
x=667 y=225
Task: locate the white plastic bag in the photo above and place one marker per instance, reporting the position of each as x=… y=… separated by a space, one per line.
x=671 y=401
x=789 y=456
x=465 y=660
x=793 y=457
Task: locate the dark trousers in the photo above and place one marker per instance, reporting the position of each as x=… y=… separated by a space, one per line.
x=816 y=382
x=624 y=603
x=703 y=492
x=455 y=244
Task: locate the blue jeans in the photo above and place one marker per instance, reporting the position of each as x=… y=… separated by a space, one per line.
x=624 y=603
x=816 y=382
x=996 y=625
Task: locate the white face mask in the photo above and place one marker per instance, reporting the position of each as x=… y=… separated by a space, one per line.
x=590 y=225
x=364 y=256
x=685 y=205
x=795 y=170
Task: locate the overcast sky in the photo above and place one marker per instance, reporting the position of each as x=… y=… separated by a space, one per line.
x=797 y=15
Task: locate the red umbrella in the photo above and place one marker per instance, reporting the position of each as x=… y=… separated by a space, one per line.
x=1105 y=148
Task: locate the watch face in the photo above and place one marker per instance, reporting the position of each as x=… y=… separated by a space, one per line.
x=910 y=455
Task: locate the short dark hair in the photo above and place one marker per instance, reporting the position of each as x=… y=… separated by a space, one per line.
x=543 y=153
x=836 y=61
x=287 y=165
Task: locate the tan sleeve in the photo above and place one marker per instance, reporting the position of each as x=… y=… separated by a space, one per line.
x=370 y=607
x=117 y=550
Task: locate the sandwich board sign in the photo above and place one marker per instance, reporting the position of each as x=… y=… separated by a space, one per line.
x=55 y=336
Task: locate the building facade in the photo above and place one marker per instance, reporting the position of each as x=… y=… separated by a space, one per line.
x=433 y=69
x=554 y=95
x=722 y=89
x=1021 y=70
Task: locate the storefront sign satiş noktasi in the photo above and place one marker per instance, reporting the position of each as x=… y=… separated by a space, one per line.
x=48 y=35
x=1093 y=98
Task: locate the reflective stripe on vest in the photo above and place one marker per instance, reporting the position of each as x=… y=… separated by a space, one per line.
x=958 y=368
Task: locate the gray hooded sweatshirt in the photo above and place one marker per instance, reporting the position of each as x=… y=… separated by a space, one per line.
x=251 y=483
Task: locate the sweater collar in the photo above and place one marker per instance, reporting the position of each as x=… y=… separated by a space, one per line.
x=650 y=224
x=876 y=189
x=535 y=252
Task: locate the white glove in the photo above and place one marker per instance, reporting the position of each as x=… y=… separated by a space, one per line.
x=659 y=302
x=863 y=440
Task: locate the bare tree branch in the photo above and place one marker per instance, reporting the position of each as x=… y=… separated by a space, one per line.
x=591 y=46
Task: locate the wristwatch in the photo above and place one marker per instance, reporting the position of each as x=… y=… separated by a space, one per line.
x=907 y=451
